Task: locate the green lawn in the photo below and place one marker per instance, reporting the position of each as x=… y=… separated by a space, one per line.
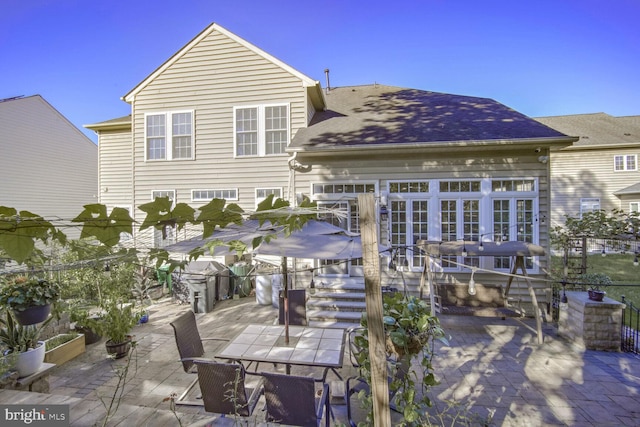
x=620 y=268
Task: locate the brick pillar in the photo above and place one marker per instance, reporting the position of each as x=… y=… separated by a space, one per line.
x=594 y=325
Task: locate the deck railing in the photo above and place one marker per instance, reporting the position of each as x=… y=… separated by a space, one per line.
x=630 y=333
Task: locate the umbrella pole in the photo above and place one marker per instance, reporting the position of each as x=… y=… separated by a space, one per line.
x=285 y=298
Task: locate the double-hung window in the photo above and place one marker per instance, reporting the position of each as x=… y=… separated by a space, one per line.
x=624 y=163
x=261 y=130
x=169 y=135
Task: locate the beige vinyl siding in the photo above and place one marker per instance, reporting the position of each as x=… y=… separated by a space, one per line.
x=116 y=179
x=212 y=78
x=47 y=166
x=588 y=173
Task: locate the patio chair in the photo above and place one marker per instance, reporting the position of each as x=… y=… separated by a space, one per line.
x=297 y=307
x=190 y=348
x=293 y=400
x=223 y=388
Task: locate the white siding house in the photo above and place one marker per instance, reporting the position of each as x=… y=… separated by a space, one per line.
x=222 y=117
x=600 y=170
x=48 y=166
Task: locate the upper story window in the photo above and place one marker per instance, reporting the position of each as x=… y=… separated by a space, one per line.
x=207 y=195
x=169 y=136
x=627 y=162
x=261 y=130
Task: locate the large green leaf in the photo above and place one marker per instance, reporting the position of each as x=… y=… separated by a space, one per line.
x=161 y=214
x=215 y=214
x=19 y=231
x=105 y=228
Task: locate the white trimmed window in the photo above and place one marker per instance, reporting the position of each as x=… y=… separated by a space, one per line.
x=628 y=162
x=589 y=205
x=634 y=207
x=169 y=136
x=261 y=130
x=263 y=193
x=208 y=195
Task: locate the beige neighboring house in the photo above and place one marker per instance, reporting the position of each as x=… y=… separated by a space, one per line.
x=600 y=170
x=222 y=118
x=48 y=166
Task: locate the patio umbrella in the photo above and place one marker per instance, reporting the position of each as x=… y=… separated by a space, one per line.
x=315 y=240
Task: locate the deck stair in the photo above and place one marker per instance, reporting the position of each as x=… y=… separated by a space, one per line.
x=336 y=302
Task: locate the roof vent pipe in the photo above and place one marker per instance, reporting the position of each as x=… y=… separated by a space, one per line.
x=326 y=73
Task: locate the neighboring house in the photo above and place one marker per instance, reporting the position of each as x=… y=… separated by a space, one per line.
x=600 y=170
x=48 y=166
x=222 y=118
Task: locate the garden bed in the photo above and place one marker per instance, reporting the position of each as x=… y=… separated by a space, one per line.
x=68 y=347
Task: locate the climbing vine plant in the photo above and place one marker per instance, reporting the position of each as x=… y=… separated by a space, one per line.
x=20 y=231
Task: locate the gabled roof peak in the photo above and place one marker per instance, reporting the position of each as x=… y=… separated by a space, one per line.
x=306 y=81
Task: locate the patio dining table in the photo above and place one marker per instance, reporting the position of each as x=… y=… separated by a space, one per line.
x=307 y=346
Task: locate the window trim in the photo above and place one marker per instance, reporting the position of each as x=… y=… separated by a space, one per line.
x=261 y=129
x=168 y=124
x=198 y=200
x=258 y=200
x=585 y=199
x=625 y=158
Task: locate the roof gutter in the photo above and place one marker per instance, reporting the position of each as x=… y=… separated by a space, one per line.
x=436 y=145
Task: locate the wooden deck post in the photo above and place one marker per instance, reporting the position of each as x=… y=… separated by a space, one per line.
x=373 y=299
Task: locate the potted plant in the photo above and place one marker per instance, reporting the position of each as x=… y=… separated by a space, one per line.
x=85 y=322
x=30 y=299
x=23 y=341
x=116 y=323
x=595 y=281
x=410 y=330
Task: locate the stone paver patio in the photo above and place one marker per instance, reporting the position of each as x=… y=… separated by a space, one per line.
x=492 y=368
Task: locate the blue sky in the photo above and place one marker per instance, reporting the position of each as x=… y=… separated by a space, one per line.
x=543 y=57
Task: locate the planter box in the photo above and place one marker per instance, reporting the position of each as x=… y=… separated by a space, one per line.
x=65 y=352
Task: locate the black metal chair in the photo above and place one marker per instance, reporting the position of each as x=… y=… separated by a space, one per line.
x=190 y=348
x=224 y=390
x=293 y=400
x=297 y=307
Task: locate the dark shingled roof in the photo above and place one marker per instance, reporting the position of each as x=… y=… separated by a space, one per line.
x=597 y=128
x=380 y=115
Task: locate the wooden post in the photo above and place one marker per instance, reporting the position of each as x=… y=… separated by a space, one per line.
x=373 y=299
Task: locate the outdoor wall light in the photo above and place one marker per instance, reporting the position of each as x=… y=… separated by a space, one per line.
x=384 y=213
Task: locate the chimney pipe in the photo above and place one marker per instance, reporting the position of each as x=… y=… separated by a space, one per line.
x=326 y=73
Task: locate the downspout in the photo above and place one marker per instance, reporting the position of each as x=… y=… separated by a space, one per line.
x=133 y=170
